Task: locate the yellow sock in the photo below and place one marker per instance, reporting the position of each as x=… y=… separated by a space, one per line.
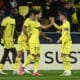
x=1 y=67
x=17 y=63
x=67 y=66
x=36 y=66
x=27 y=61
x=66 y=62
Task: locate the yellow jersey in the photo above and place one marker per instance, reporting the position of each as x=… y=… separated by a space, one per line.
x=27 y=24
x=35 y=32
x=65 y=27
x=9 y=25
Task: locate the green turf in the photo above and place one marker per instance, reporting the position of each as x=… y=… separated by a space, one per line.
x=47 y=75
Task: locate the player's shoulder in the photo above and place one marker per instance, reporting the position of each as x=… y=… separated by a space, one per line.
x=37 y=22
x=67 y=22
x=27 y=22
x=6 y=18
x=27 y=19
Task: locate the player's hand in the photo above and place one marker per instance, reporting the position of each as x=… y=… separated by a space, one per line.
x=59 y=41
x=49 y=39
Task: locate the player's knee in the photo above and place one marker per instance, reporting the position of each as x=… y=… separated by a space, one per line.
x=37 y=58
x=65 y=57
x=36 y=55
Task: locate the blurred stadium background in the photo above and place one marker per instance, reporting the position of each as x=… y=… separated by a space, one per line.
x=48 y=7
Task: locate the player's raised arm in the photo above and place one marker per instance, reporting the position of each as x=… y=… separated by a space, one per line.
x=45 y=37
x=54 y=24
x=57 y=26
x=46 y=26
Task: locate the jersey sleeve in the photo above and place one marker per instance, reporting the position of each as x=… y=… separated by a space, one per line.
x=4 y=23
x=26 y=23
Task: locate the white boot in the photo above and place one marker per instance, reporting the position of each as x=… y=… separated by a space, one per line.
x=66 y=73
x=3 y=73
x=27 y=71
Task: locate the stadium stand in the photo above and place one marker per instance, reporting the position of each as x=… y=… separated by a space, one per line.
x=49 y=8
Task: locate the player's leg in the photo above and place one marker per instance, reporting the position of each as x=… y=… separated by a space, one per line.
x=22 y=59
x=30 y=54
x=26 y=48
x=26 y=63
x=6 y=52
x=29 y=58
x=14 y=55
x=26 y=69
x=22 y=46
x=18 y=58
x=13 y=50
x=5 y=55
x=17 y=62
x=66 y=59
x=36 y=65
x=67 y=65
x=36 y=61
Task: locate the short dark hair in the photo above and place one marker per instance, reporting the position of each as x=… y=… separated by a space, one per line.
x=64 y=13
x=33 y=11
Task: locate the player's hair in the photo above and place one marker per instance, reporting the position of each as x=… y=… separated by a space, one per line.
x=33 y=11
x=63 y=13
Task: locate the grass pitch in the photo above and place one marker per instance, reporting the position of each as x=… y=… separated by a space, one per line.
x=47 y=75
